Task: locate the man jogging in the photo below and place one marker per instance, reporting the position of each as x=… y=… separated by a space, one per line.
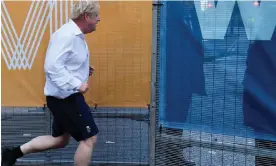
x=67 y=71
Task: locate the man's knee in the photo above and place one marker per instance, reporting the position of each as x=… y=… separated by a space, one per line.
x=90 y=141
x=62 y=141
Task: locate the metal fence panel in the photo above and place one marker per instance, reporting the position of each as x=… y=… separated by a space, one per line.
x=200 y=94
x=121 y=57
x=123 y=137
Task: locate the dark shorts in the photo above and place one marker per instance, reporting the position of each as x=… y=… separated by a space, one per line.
x=72 y=115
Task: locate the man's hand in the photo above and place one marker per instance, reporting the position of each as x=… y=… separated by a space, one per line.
x=91 y=70
x=83 y=88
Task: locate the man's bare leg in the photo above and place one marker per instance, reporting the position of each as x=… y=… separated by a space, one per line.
x=43 y=143
x=37 y=144
x=84 y=152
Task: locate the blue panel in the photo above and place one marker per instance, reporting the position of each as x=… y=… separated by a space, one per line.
x=216 y=85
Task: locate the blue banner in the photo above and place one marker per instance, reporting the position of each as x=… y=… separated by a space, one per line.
x=218 y=67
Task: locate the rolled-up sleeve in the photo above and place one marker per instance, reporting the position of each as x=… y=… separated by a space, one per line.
x=58 y=53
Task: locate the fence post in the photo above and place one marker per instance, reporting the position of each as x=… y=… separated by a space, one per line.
x=152 y=124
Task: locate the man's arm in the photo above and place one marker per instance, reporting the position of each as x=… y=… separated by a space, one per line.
x=55 y=68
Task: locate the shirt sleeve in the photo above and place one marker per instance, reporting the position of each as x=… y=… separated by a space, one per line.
x=59 y=52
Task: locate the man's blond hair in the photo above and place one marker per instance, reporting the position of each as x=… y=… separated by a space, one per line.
x=90 y=7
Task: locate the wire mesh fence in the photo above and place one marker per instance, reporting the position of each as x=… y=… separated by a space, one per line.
x=196 y=114
x=119 y=88
x=200 y=97
x=123 y=138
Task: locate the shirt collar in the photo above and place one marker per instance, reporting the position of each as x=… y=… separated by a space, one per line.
x=75 y=28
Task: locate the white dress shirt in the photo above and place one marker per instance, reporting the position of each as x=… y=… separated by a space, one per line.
x=67 y=61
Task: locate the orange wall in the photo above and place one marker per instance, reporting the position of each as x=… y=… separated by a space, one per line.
x=120 y=52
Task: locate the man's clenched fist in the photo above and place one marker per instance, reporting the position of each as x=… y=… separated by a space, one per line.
x=83 y=88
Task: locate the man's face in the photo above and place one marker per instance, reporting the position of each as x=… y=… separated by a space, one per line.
x=91 y=23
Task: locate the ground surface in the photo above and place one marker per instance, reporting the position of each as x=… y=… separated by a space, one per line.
x=121 y=140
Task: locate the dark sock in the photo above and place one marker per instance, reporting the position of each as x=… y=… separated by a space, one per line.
x=17 y=152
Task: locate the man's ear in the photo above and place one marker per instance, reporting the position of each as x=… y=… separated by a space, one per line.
x=85 y=16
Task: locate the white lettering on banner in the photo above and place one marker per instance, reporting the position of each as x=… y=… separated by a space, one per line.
x=19 y=51
x=259 y=21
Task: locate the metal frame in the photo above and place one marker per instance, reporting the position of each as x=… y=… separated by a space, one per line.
x=134 y=115
x=153 y=110
x=66 y=162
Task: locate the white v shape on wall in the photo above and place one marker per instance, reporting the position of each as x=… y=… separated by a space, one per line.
x=20 y=48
